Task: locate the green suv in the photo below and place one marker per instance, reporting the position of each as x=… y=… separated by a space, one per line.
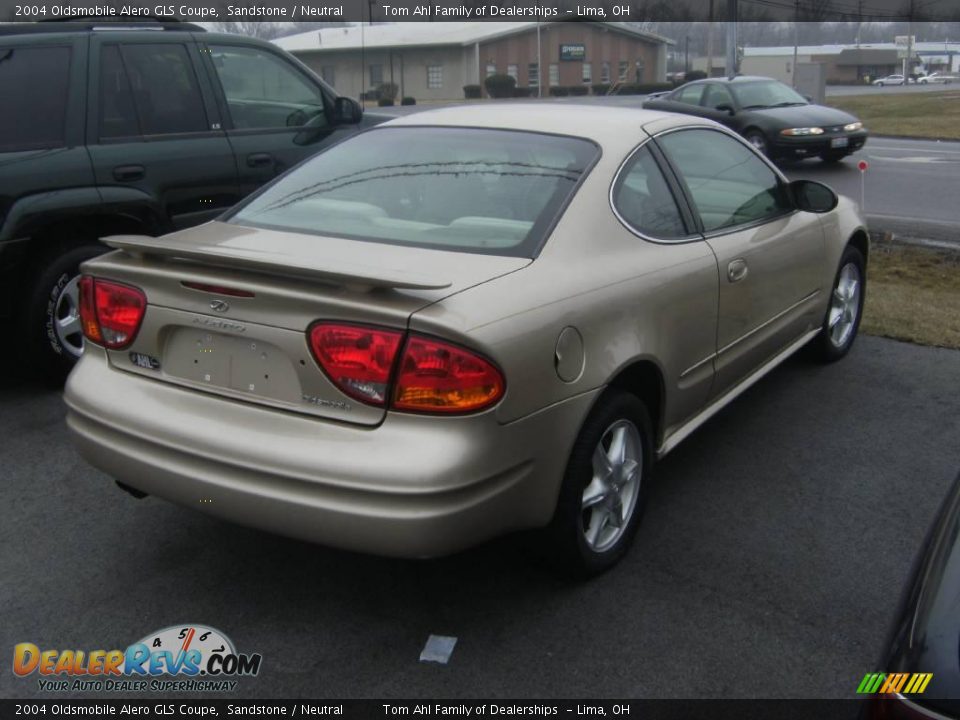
x=134 y=127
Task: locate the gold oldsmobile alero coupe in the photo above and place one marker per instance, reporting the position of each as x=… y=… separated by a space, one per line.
x=461 y=323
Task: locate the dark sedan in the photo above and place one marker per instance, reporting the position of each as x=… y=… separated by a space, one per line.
x=920 y=668
x=773 y=117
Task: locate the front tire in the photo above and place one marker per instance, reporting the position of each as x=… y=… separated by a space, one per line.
x=758 y=140
x=53 y=339
x=605 y=487
x=842 y=321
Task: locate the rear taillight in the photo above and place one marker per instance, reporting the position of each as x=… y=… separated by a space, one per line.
x=110 y=313
x=431 y=376
x=441 y=378
x=357 y=359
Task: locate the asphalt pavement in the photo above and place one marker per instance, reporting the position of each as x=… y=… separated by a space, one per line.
x=769 y=564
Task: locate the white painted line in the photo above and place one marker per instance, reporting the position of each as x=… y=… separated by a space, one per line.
x=438 y=649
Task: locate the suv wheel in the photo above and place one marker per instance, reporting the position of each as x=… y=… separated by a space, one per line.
x=53 y=338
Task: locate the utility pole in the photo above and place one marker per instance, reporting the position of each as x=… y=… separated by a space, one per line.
x=731 y=38
x=686 y=57
x=539 y=65
x=796 y=42
x=710 y=42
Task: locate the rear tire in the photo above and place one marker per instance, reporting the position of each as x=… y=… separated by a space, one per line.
x=605 y=487
x=50 y=326
x=842 y=321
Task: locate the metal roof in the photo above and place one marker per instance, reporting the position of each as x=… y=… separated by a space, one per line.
x=787 y=50
x=425 y=34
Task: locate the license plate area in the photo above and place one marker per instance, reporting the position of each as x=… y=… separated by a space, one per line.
x=241 y=364
x=840 y=142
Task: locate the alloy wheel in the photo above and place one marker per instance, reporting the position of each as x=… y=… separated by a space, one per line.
x=609 y=500
x=66 y=318
x=844 y=305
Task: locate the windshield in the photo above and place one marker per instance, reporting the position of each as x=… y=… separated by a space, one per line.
x=766 y=93
x=489 y=191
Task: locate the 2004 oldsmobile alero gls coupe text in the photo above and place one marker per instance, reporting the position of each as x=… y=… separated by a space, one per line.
x=458 y=324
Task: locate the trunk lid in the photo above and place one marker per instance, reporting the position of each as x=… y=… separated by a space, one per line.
x=253 y=346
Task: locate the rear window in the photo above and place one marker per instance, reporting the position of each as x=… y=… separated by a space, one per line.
x=33 y=84
x=489 y=191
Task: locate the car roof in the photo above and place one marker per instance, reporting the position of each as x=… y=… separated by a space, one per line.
x=602 y=124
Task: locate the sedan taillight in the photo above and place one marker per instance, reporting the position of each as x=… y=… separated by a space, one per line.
x=431 y=377
x=110 y=313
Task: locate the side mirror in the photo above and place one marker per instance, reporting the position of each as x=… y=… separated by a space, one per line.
x=347 y=111
x=812 y=196
x=726 y=108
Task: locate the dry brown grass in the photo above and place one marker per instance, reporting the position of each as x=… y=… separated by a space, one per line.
x=915 y=114
x=913 y=294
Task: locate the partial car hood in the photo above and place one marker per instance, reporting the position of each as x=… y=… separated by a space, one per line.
x=807 y=115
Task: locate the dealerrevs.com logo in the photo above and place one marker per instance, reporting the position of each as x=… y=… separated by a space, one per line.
x=199 y=658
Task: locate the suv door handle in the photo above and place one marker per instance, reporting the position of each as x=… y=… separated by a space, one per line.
x=737 y=270
x=259 y=159
x=126 y=173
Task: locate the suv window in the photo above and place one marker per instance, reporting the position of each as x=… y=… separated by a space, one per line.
x=643 y=198
x=265 y=91
x=152 y=86
x=33 y=82
x=729 y=184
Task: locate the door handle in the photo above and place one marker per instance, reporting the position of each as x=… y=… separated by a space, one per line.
x=126 y=173
x=737 y=270
x=259 y=159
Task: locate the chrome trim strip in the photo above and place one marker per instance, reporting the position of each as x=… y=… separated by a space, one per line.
x=690 y=369
x=776 y=317
x=684 y=431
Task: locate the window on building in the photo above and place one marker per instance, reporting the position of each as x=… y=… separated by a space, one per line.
x=491 y=69
x=554 y=74
x=37 y=78
x=434 y=76
x=328 y=74
x=533 y=75
x=376 y=75
x=263 y=90
x=165 y=89
x=587 y=72
x=605 y=73
x=513 y=71
x=623 y=68
x=639 y=71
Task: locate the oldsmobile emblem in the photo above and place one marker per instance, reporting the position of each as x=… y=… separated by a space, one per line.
x=219 y=305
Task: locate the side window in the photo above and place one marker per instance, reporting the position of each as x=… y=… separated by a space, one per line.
x=164 y=88
x=118 y=117
x=643 y=199
x=265 y=91
x=690 y=95
x=729 y=184
x=36 y=78
x=717 y=95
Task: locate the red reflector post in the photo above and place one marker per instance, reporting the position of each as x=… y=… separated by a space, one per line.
x=356 y=358
x=436 y=377
x=111 y=313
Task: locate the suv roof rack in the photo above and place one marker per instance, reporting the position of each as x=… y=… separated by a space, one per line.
x=94 y=22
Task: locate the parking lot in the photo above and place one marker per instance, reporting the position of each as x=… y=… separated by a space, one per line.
x=769 y=563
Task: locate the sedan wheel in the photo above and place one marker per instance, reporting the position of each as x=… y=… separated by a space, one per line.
x=604 y=488
x=758 y=141
x=846 y=306
x=611 y=496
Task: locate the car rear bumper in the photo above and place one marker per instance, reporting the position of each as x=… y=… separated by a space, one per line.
x=415 y=486
x=816 y=145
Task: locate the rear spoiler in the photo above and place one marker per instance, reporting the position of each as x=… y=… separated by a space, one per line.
x=239 y=259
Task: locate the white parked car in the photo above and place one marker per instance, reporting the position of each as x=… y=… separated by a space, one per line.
x=937 y=78
x=889 y=80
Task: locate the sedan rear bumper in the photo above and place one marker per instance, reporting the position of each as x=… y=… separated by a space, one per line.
x=415 y=486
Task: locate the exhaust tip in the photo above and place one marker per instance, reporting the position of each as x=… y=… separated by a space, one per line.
x=133 y=491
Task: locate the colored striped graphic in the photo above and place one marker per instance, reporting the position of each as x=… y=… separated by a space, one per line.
x=892 y=683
